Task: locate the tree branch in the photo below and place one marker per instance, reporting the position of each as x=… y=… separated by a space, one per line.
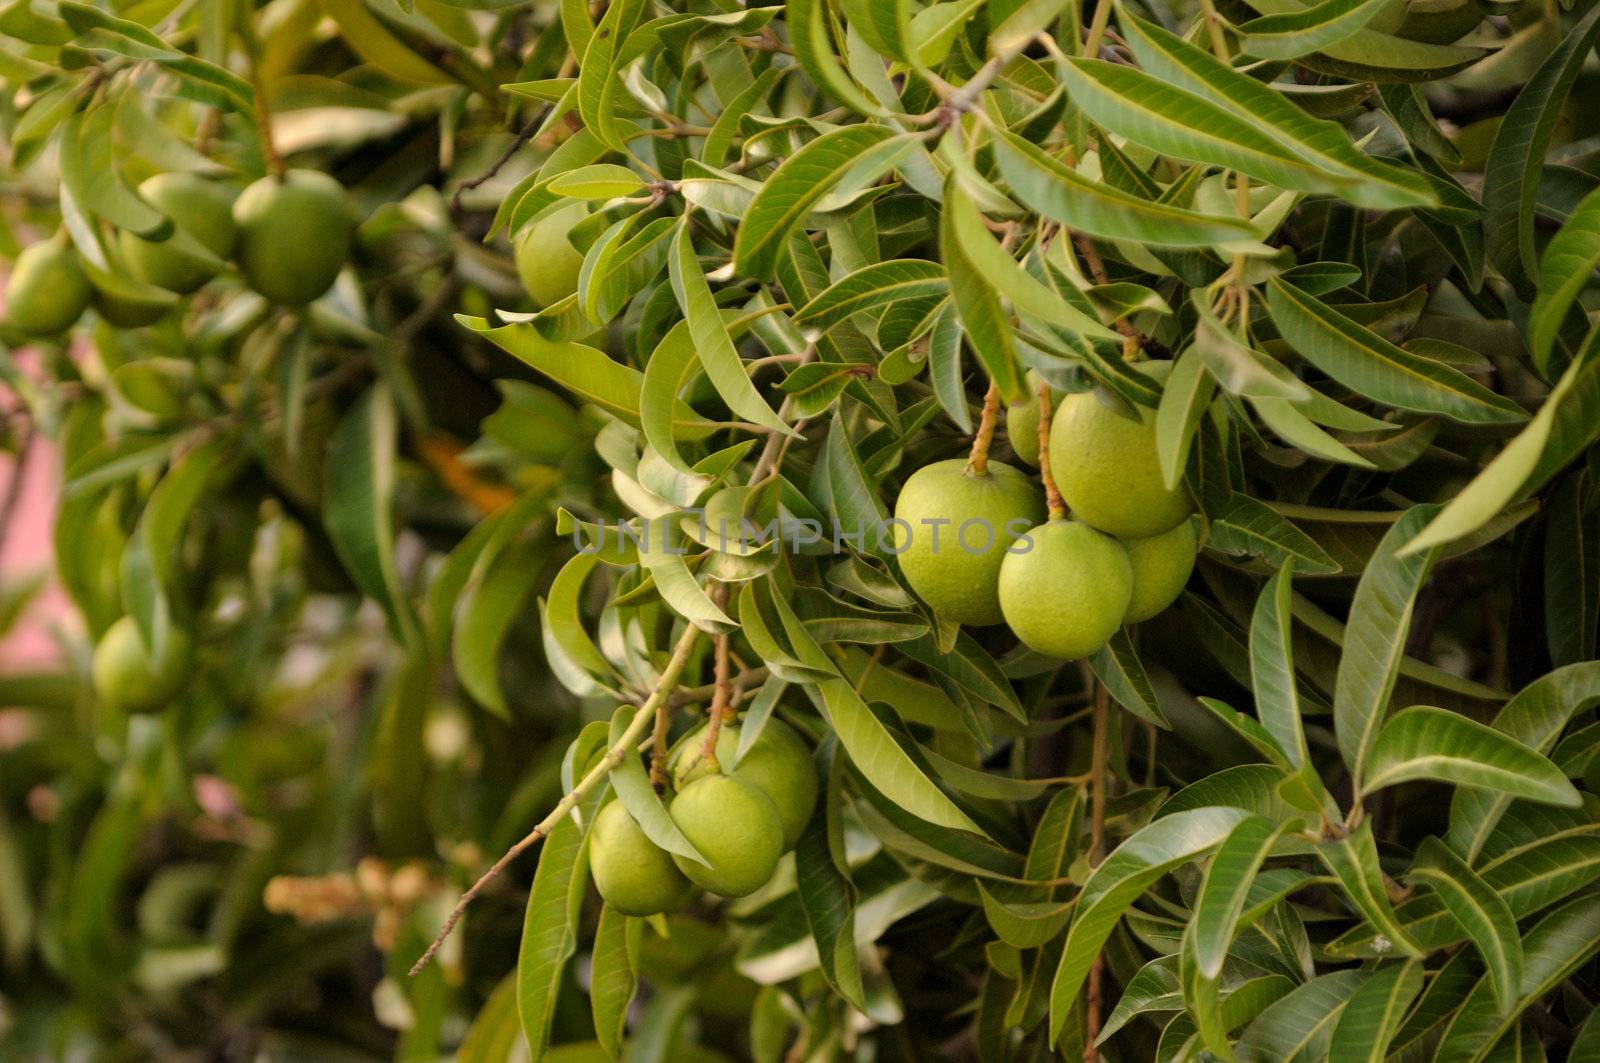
x=630 y=738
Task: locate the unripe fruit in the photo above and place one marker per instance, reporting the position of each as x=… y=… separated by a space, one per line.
x=1106 y=468
x=126 y=311
x=633 y=874
x=1068 y=594
x=127 y=680
x=1161 y=567
x=735 y=827
x=955 y=571
x=202 y=211
x=294 y=235
x=546 y=260
x=1022 y=421
x=779 y=765
x=47 y=290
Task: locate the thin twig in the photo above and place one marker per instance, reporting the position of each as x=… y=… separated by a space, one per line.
x=518 y=142
x=978 y=460
x=613 y=757
x=721 y=709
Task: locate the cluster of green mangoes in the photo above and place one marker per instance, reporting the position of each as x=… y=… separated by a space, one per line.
x=742 y=819
x=1064 y=587
x=289 y=234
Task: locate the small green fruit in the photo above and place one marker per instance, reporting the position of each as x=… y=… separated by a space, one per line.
x=779 y=765
x=294 y=235
x=1022 y=421
x=127 y=680
x=1106 y=468
x=1161 y=567
x=47 y=290
x=126 y=312
x=202 y=211
x=633 y=874
x=951 y=533
x=735 y=827
x=1068 y=594
x=546 y=260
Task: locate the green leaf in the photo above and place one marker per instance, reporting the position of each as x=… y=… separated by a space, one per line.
x=1553 y=950
x=1184 y=400
x=1272 y=677
x=867 y=742
x=1298 y=1028
x=718 y=356
x=613 y=976
x=1046 y=185
x=1512 y=174
x=1361 y=359
x=636 y=793
x=495 y=1032
x=1239 y=368
x=89 y=167
x=1568 y=422
x=1292 y=34
x=828 y=901
x=884 y=24
x=988 y=329
x=1299 y=431
x=1369 y=55
x=870 y=287
x=1423 y=742
x=997 y=268
x=1130 y=103
x=360 y=506
x=100 y=31
x=1535 y=717
x=161 y=524
x=1378 y=185
x=1353 y=859
x=599 y=80
x=586 y=372
x=812 y=40
x=1117 y=665
x=488 y=607
x=1024 y=925
x=1482 y=913
x=1246 y=525
x=1121 y=878
x=597 y=181
x=1373 y=1016
x=1375 y=639
x=879 y=757
x=1571 y=573
x=1226 y=888
x=662 y=554
x=1567 y=267
x=550 y=928
x=854 y=154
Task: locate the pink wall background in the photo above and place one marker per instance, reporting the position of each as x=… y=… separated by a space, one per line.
x=26 y=551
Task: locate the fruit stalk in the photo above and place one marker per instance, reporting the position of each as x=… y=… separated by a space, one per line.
x=1052 y=497
x=258 y=87
x=978 y=461
x=630 y=738
x=721 y=710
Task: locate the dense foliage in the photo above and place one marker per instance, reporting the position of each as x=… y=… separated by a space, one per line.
x=489 y=433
